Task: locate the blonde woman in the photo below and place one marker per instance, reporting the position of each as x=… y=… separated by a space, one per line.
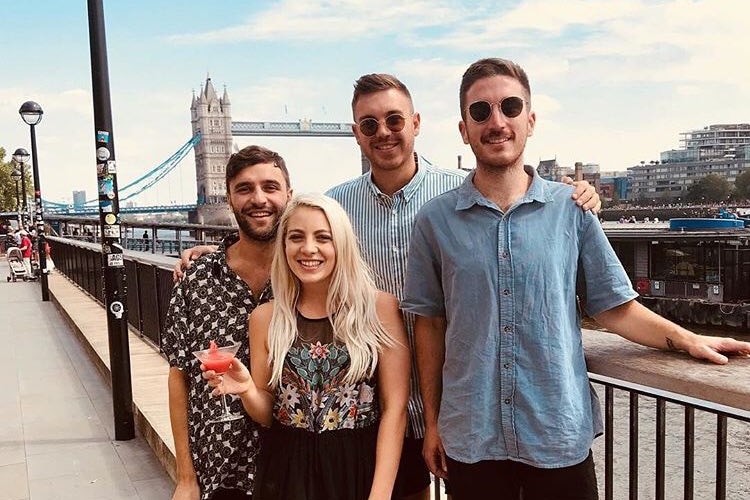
x=330 y=366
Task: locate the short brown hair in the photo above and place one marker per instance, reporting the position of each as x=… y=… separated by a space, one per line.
x=377 y=82
x=254 y=155
x=485 y=68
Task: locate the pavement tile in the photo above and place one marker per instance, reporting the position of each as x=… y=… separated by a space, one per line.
x=14 y=482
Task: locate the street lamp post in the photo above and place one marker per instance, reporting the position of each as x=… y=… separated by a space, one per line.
x=31 y=113
x=21 y=157
x=16 y=175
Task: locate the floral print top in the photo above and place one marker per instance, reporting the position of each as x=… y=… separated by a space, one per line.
x=312 y=394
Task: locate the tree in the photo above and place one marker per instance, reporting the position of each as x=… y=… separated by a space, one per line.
x=711 y=188
x=742 y=185
x=8 y=185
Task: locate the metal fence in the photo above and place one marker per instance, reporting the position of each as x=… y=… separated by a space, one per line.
x=149 y=286
x=149 y=283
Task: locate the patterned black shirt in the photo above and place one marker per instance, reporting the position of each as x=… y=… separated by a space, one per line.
x=212 y=303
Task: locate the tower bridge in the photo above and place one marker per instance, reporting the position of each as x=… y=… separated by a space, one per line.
x=211 y=118
x=212 y=143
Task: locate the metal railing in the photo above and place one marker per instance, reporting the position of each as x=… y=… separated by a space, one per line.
x=149 y=285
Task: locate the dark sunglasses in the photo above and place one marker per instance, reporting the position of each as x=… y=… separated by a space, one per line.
x=480 y=111
x=394 y=122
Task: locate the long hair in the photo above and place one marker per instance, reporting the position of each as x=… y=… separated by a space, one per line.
x=350 y=303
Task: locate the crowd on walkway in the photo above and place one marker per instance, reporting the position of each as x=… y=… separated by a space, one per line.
x=412 y=321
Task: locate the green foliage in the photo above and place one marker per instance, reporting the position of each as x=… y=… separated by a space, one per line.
x=742 y=186
x=710 y=189
x=8 y=185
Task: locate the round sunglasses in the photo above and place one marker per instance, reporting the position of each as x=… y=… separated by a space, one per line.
x=394 y=122
x=480 y=111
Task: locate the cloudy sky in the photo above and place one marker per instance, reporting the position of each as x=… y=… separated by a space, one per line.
x=613 y=82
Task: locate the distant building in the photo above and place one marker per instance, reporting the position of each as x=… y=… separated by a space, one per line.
x=723 y=150
x=550 y=170
x=79 y=200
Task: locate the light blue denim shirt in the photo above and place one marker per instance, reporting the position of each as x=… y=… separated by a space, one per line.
x=515 y=384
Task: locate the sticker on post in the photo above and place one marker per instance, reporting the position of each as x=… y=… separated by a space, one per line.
x=117 y=309
x=110 y=218
x=100 y=170
x=115 y=260
x=102 y=154
x=111 y=167
x=106 y=206
x=102 y=136
x=112 y=231
x=106 y=185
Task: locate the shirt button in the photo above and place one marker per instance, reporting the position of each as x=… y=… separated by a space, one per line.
x=506 y=292
x=505 y=255
x=507 y=401
x=508 y=329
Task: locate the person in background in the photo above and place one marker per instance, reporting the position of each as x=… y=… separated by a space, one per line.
x=27 y=250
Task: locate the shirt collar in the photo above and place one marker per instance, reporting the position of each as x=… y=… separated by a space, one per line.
x=407 y=191
x=469 y=195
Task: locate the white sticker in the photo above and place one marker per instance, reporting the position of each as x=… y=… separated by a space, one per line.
x=115 y=260
x=102 y=153
x=117 y=309
x=111 y=167
x=112 y=231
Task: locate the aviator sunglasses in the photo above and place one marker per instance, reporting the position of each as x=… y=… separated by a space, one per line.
x=394 y=122
x=480 y=111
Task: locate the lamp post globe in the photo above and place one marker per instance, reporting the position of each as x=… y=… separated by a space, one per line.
x=16 y=175
x=31 y=113
x=21 y=156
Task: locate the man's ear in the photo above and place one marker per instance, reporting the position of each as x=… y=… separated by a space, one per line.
x=462 y=130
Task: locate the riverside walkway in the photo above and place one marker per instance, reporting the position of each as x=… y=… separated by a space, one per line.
x=56 y=424
x=56 y=431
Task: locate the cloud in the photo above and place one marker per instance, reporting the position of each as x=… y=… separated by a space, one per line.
x=327 y=20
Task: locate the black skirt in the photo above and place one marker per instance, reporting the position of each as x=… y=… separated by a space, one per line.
x=295 y=464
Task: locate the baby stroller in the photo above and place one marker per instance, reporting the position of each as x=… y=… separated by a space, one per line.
x=15 y=263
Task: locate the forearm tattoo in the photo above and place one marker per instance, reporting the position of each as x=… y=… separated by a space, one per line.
x=670 y=344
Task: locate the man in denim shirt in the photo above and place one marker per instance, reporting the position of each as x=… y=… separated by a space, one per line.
x=491 y=276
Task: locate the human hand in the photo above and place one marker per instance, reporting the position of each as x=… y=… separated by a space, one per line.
x=433 y=453
x=585 y=195
x=235 y=381
x=187 y=257
x=187 y=490
x=711 y=348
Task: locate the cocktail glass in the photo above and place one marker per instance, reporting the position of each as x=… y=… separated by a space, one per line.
x=219 y=359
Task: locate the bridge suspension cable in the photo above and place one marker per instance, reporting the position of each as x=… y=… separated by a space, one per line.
x=145 y=181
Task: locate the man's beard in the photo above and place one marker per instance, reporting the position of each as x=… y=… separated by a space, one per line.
x=247 y=230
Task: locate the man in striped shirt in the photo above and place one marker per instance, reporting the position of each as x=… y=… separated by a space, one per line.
x=382 y=205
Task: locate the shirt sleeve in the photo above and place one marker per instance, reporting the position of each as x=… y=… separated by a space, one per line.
x=423 y=289
x=174 y=342
x=607 y=283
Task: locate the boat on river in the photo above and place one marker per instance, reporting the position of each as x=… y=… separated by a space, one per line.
x=689 y=270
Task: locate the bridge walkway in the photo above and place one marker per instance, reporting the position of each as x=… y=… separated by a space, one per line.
x=57 y=432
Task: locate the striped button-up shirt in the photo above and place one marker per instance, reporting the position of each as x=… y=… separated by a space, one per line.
x=383 y=226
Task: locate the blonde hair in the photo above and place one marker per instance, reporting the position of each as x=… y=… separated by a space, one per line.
x=350 y=303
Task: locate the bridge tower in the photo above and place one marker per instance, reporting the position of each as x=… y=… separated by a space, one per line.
x=211 y=116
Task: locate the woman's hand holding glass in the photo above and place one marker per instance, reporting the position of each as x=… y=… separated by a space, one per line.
x=236 y=380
